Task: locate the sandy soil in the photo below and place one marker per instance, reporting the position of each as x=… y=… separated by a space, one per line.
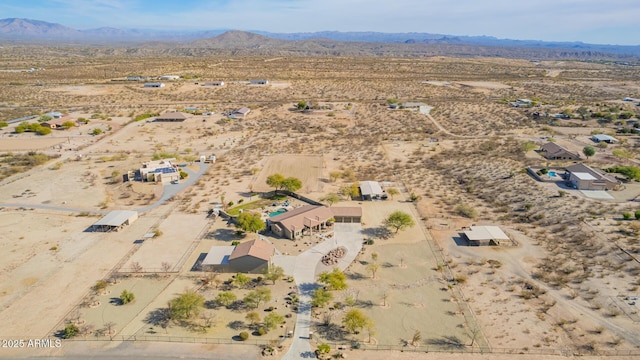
x=308 y=169
x=562 y=288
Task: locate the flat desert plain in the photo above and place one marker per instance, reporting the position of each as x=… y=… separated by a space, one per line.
x=565 y=284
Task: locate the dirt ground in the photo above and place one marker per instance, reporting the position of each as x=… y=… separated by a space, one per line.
x=308 y=169
x=563 y=287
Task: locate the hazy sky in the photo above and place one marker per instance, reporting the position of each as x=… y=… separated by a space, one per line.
x=592 y=21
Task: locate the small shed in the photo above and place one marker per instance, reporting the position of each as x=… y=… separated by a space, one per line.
x=243 y=111
x=370 y=190
x=115 y=220
x=485 y=235
x=604 y=138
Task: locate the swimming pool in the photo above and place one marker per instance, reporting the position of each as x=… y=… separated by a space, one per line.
x=278 y=212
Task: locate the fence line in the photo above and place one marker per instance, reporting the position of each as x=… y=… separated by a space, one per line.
x=354 y=345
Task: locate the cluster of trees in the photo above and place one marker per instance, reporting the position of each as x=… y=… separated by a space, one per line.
x=35 y=127
x=279 y=182
x=250 y=222
x=632 y=172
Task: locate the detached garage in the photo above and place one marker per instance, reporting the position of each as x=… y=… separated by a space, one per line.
x=115 y=220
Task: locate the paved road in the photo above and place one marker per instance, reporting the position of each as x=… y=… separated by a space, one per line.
x=307 y=265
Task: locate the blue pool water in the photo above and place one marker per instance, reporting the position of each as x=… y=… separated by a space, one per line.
x=276 y=213
x=552 y=173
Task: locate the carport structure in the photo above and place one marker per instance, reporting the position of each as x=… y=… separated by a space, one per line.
x=115 y=220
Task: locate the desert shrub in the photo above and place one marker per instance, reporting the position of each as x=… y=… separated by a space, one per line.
x=637 y=214
x=466 y=211
x=626 y=215
x=126 y=297
x=370 y=241
x=235 y=243
x=70 y=331
x=100 y=286
x=96 y=131
x=261 y=331
x=243 y=335
x=460 y=279
x=632 y=172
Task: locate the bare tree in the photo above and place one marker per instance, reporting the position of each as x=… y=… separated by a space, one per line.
x=109 y=328
x=385 y=297
x=473 y=333
x=136 y=267
x=166 y=266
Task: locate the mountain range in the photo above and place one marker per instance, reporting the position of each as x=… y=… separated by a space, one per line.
x=26 y=31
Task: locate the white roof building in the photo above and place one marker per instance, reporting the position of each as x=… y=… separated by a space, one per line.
x=485 y=235
x=114 y=220
x=370 y=190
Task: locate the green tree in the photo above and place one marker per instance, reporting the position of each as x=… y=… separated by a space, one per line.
x=274 y=273
x=393 y=192
x=350 y=191
x=324 y=349
x=226 y=298
x=301 y=105
x=275 y=181
x=250 y=222
x=96 y=131
x=373 y=269
x=399 y=220
x=335 y=280
x=241 y=280
x=70 y=330
x=44 y=118
x=334 y=175
x=252 y=317
x=584 y=112
x=330 y=199
x=292 y=184
x=272 y=320
x=68 y=124
x=355 y=320
x=186 y=306
x=321 y=297
x=528 y=146
x=626 y=215
x=257 y=297
x=588 y=151
x=3 y=124
x=41 y=130
x=183 y=174
x=126 y=297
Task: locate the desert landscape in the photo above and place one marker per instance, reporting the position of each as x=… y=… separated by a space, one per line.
x=454 y=143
